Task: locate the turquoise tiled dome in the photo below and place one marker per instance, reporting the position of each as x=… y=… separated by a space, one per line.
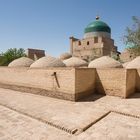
x=97 y=26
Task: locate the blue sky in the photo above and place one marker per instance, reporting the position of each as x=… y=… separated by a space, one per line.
x=48 y=24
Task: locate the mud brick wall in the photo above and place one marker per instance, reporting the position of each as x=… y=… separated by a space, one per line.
x=115 y=82
x=84 y=82
x=138 y=80
x=64 y=84
x=71 y=83
x=130 y=81
x=31 y=53
x=41 y=80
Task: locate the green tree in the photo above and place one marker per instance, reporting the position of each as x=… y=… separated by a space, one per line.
x=10 y=55
x=132 y=37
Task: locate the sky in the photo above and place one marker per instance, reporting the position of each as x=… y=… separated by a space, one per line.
x=48 y=24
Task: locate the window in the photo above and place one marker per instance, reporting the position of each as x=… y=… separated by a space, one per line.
x=95 y=39
x=88 y=43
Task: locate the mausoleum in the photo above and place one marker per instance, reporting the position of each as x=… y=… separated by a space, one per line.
x=96 y=42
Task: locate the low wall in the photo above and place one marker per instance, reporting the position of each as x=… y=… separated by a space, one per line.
x=138 y=81
x=116 y=82
x=131 y=75
x=84 y=82
x=71 y=83
x=56 y=82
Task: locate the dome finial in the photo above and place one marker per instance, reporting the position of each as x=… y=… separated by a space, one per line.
x=97 y=17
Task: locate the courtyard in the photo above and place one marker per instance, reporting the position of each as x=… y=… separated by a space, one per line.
x=26 y=116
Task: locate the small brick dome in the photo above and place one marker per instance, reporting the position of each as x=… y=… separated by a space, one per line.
x=105 y=62
x=134 y=64
x=47 y=61
x=65 y=56
x=75 y=62
x=21 y=62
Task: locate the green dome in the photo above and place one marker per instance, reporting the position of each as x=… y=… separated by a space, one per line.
x=97 y=26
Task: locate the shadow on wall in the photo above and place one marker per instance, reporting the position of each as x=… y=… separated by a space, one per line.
x=137 y=95
x=98 y=93
x=117 y=82
x=138 y=81
x=99 y=86
x=124 y=83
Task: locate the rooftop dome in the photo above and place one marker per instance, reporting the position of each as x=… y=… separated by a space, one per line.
x=47 y=61
x=105 y=62
x=134 y=64
x=125 y=64
x=21 y=62
x=75 y=62
x=65 y=56
x=97 y=26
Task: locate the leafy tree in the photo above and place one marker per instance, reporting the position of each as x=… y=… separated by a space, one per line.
x=132 y=37
x=10 y=55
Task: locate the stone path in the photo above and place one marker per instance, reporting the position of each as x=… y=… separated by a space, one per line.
x=55 y=119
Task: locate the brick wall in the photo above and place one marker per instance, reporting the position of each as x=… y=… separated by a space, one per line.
x=130 y=81
x=89 y=49
x=115 y=82
x=32 y=53
x=71 y=83
x=43 y=81
x=138 y=81
x=84 y=82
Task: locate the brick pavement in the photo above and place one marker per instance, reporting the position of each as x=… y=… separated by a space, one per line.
x=61 y=117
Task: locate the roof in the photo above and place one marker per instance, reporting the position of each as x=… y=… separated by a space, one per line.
x=47 y=61
x=97 y=26
x=75 y=62
x=105 y=62
x=134 y=64
x=21 y=62
x=65 y=56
